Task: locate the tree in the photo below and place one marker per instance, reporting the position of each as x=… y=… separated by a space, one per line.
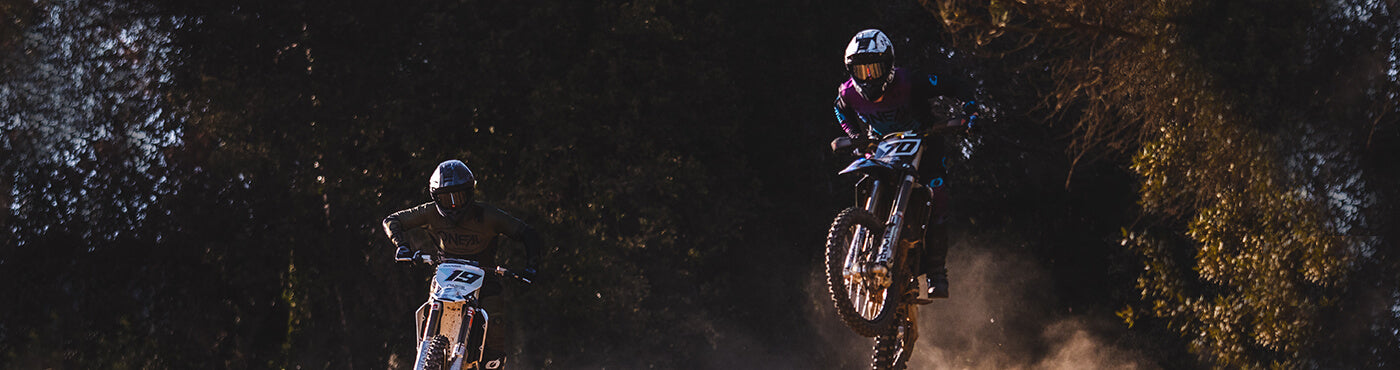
x=1250 y=146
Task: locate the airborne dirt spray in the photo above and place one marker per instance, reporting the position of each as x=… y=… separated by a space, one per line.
x=1000 y=316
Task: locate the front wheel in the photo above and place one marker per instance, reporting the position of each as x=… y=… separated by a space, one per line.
x=862 y=289
x=432 y=354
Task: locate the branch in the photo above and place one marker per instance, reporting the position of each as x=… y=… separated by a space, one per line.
x=1073 y=22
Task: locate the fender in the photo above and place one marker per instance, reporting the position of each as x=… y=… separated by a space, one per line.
x=878 y=169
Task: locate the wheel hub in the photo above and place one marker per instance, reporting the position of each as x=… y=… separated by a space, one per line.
x=875 y=275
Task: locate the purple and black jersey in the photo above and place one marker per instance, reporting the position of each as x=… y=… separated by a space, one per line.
x=904 y=106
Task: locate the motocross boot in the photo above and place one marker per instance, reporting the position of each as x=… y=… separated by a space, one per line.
x=935 y=260
x=497 y=337
x=936 y=243
x=938 y=284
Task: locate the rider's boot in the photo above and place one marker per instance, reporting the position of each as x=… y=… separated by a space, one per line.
x=938 y=284
x=935 y=260
x=493 y=359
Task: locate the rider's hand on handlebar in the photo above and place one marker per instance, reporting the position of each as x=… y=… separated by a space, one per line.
x=957 y=123
x=971 y=110
x=967 y=125
x=860 y=145
x=403 y=254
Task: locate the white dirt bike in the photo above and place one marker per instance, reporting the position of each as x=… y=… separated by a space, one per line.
x=873 y=248
x=451 y=324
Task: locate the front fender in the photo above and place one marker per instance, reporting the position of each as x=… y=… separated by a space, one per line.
x=869 y=167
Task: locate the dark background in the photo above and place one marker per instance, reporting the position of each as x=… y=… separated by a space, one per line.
x=199 y=184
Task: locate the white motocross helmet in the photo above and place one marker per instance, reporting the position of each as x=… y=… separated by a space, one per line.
x=870 y=62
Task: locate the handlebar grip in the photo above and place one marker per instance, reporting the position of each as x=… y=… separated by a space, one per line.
x=841 y=143
x=507 y=273
x=401 y=254
x=418 y=256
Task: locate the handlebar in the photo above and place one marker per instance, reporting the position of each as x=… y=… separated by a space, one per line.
x=425 y=258
x=864 y=143
x=954 y=124
x=434 y=260
x=846 y=142
x=504 y=272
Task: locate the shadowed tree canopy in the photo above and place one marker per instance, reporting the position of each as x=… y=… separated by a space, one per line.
x=1260 y=134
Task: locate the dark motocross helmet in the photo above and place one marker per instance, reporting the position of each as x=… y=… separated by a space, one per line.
x=870 y=62
x=452 y=187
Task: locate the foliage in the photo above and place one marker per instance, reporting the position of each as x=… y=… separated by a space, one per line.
x=1248 y=140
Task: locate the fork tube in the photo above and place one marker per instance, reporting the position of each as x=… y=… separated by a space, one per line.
x=871 y=205
x=434 y=317
x=896 y=220
x=464 y=331
x=873 y=201
x=485 y=325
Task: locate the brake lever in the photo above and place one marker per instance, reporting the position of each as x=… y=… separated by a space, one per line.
x=507 y=273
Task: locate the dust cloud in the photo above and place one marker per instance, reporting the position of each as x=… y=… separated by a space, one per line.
x=1000 y=316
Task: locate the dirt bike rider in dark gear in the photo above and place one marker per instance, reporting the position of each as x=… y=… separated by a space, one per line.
x=879 y=99
x=469 y=230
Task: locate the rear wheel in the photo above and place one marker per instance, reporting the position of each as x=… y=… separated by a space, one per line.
x=863 y=291
x=890 y=352
x=432 y=354
x=893 y=349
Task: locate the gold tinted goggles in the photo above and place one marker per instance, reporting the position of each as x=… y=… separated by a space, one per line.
x=868 y=72
x=451 y=200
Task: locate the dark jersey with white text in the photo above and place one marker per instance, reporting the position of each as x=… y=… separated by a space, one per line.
x=473 y=236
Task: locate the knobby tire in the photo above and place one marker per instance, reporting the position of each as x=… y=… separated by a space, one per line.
x=890 y=353
x=432 y=354
x=838 y=240
x=893 y=349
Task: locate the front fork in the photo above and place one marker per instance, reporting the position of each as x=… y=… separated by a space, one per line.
x=896 y=220
x=474 y=338
x=429 y=325
x=880 y=267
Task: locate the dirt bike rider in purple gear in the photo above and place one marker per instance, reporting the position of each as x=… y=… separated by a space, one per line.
x=468 y=230
x=879 y=99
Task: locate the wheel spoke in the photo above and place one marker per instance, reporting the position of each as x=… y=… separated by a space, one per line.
x=859 y=287
x=860 y=300
x=866 y=297
x=854 y=247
